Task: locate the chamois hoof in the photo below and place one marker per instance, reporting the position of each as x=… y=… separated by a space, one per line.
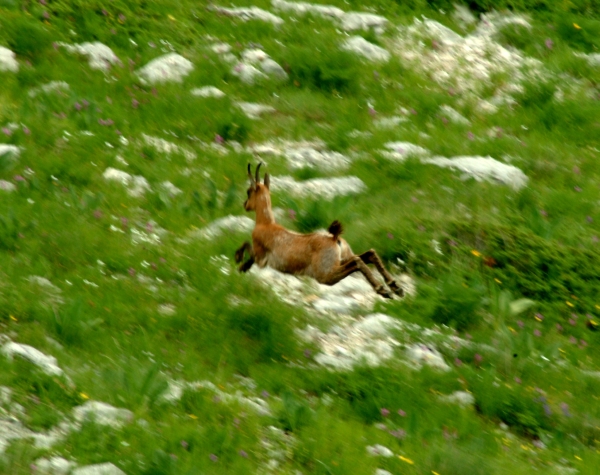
x=239 y=256
x=399 y=291
x=383 y=292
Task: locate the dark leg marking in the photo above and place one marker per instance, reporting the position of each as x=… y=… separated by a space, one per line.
x=371 y=257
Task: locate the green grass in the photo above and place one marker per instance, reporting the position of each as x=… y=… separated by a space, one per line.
x=529 y=369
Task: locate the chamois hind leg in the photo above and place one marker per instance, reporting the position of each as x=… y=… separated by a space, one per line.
x=371 y=257
x=355 y=264
x=239 y=257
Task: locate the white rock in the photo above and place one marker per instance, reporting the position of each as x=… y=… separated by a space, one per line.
x=273 y=69
x=304 y=154
x=419 y=355
x=228 y=224
x=389 y=122
x=221 y=48
x=592 y=58
x=363 y=21
x=258 y=58
x=358 y=45
x=303 y=8
x=53 y=466
x=377 y=324
x=327 y=188
x=47 y=364
x=8 y=60
x=167 y=309
x=400 y=151
x=483 y=168
x=379 y=451
x=5 y=395
x=7 y=186
x=11 y=429
x=99 y=55
x=99 y=469
x=442 y=33
x=381 y=471
x=254 y=110
x=9 y=149
x=171 y=67
x=102 y=413
x=247 y=73
x=50 y=87
x=170 y=188
x=250 y=13
x=467 y=65
x=453 y=115
x=462 y=398
x=208 y=91
x=136 y=185
x=463 y=16
x=166 y=147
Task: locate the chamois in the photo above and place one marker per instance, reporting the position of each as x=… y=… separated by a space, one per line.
x=324 y=256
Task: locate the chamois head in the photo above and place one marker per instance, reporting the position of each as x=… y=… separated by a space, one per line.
x=258 y=193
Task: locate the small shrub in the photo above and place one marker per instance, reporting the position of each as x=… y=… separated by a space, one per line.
x=25 y=37
x=458 y=303
x=294 y=413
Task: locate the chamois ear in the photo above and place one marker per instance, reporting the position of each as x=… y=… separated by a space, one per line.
x=267 y=181
x=257 y=176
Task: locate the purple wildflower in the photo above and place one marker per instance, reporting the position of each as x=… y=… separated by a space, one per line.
x=565 y=409
x=401 y=413
x=549 y=43
x=213 y=457
x=544 y=213
x=236 y=422
x=518 y=380
x=184 y=444
x=390 y=236
x=539 y=317
x=124 y=222
x=18 y=178
x=413 y=112
x=85 y=103
x=583 y=343
x=470 y=135
x=536 y=332
x=243 y=453
x=398 y=433
x=104 y=12
x=264 y=394
x=589 y=219
x=572 y=321
x=385 y=412
x=6 y=131
x=595 y=239
x=547 y=409
x=97 y=214
x=478 y=358
x=307 y=353
x=559 y=327
x=452 y=243
x=219 y=139
x=149 y=227
x=376 y=75
x=43 y=2
x=131 y=271
x=135 y=103
x=46 y=15
x=577 y=189
x=520 y=323
x=573 y=340
x=457 y=362
x=414 y=199
x=151 y=44
x=216 y=399
x=26 y=131
x=121 y=17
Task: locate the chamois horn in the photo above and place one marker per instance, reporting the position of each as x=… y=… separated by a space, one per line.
x=257 y=176
x=252 y=180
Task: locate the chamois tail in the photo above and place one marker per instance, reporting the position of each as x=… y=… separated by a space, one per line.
x=336 y=229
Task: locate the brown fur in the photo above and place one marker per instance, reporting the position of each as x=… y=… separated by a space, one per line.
x=324 y=256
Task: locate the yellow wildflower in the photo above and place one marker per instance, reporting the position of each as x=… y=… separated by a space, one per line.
x=12 y=317
x=498 y=281
x=405 y=459
x=192 y=416
x=577 y=27
x=171 y=17
x=84 y=396
x=578 y=458
x=475 y=252
x=568 y=303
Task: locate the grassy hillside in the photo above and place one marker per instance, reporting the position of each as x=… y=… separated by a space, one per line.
x=113 y=185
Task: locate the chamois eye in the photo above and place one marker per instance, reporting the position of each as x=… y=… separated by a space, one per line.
x=248 y=192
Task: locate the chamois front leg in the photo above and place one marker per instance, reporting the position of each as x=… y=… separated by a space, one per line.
x=355 y=264
x=371 y=257
x=239 y=257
